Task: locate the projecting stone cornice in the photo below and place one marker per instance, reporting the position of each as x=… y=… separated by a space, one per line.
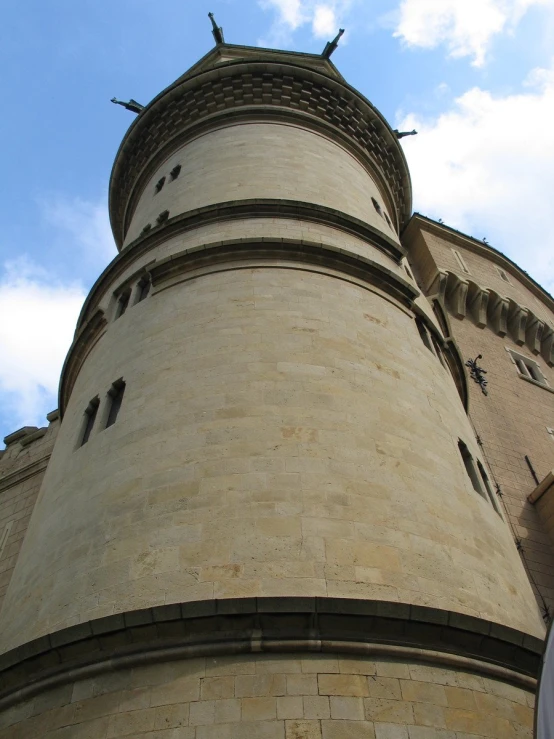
x=299 y=254
x=464 y=297
x=372 y=629
x=227 y=255
x=228 y=211
x=457 y=238
x=84 y=340
x=251 y=90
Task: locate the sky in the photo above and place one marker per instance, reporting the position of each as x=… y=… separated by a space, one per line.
x=474 y=77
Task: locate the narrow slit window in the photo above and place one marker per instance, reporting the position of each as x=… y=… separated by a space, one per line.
x=377 y=207
x=122 y=304
x=175 y=172
x=115 y=399
x=387 y=219
x=503 y=275
x=424 y=334
x=143 y=289
x=90 y=417
x=488 y=488
x=460 y=261
x=438 y=350
x=470 y=468
x=159 y=184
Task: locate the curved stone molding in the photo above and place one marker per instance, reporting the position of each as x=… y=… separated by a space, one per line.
x=235 y=255
x=197 y=103
x=255 y=252
x=488 y=308
x=254 y=625
x=231 y=210
x=87 y=337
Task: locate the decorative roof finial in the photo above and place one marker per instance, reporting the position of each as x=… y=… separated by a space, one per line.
x=330 y=46
x=216 y=30
x=132 y=105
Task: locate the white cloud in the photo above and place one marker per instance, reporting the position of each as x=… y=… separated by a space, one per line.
x=324 y=22
x=290 y=15
x=486 y=167
x=38 y=322
x=87 y=224
x=466 y=27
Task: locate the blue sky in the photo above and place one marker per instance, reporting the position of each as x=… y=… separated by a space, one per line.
x=475 y=77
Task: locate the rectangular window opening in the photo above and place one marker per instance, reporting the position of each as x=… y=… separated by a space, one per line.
x=470 y=468
x=143 y=289
x=528 y=368
x=122 y=304
x=424 y=334
x=115 y=399
x=488 y=488
x=90 y=417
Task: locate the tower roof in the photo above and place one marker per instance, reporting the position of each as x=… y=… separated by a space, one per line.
x=239 y=82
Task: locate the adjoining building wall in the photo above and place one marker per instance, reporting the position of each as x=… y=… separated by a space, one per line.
x=514 y=418
x=22 y=467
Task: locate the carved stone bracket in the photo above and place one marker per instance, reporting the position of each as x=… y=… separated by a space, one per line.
x=457 y=295
x=533 y=333
x=498 y=314
x=517 y=322
x=478 y=300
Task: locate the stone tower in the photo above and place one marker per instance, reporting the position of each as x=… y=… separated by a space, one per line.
x=266 y=514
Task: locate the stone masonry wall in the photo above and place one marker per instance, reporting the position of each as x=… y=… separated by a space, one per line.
x=283 y=432
x=277 y=697
x=22 y=467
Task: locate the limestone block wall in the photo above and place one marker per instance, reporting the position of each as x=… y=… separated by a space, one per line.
x=22 y=467
x=297 y=696
x=261 y=160
x=283 y=432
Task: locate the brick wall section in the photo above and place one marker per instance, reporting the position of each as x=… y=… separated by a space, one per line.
x=512 y=420
x=281 y=697
x=22 y=468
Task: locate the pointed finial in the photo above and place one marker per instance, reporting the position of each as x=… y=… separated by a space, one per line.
x=330 y=46
x=216 y=30
x=132 y=105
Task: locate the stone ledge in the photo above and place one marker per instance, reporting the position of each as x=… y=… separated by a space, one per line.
x=232 y=210
x=272 y=625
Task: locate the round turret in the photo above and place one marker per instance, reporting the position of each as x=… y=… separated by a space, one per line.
x=263 y=506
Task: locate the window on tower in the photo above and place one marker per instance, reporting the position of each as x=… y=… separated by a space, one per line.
x=175 y=172
x=143 y=288
x=486 y=483
x=115 y=399
x=159 y=184
x=470 y=468
x=122 y=303
x=89 y=419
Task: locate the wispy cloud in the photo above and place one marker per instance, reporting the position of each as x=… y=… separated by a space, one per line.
x=86 y=222
x=323 y=16
x=39 y=317
x=465 y=27
x=487 y=163
x=40 y=306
